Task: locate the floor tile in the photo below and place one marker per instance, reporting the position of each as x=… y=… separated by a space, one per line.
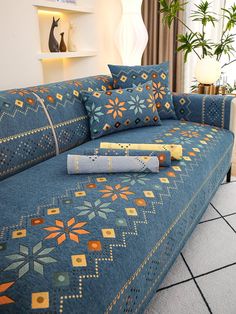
x=177 y=273
x=212 y=245
x=232 y=221
x=210 y=213
x=219 y=290
x=183 y=298
x=225 y=199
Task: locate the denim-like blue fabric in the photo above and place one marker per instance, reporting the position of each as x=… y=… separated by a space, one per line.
x=80 y=164
x=118 y=110
x=103 y=243
x=26 y=137
x=205 y=109
x=127 y=76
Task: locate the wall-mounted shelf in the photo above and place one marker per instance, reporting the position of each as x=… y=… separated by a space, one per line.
x=62 y=7
x=61 y=55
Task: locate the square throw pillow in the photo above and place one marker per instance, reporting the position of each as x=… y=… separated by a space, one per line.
x=128 y=76
x=121 y=109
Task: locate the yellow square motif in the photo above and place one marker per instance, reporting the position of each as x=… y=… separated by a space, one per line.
x=90 y=89
x=76 y=93
x=123 y=78
x=53 y=211
x=163 y=76
x=40 y=300
x=149 y=194
x=101 y=179
x=196 y=150
x=186 y=158
x=203 y=142
x=144 y=76
x=59 y=96
x=19 y=103
x=79 y=260
x=176 y=168
x=131 y=211
x=97 y=94
x=164 y=180
x=19 y=234
x=108 y=233
x=80 y=193
x=119 y=91
x=167 y=105
x=104 y=88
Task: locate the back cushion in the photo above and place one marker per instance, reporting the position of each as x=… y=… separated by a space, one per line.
x=26 y=136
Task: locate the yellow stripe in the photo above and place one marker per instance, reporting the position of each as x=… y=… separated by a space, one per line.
x=175 y=150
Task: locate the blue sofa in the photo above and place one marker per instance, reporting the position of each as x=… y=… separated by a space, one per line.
x=67 y=245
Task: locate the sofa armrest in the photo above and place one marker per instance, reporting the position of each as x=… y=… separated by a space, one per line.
x=215 y=110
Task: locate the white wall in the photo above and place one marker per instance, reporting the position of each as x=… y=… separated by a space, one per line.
x=20 y=43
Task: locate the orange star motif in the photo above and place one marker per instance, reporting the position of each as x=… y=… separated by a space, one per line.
x=3 y=287
x=116 y=192
x=70 y=230
x=159 y=91
x=115 y=107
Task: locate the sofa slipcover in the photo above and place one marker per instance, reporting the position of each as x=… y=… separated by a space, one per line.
x=103 y=243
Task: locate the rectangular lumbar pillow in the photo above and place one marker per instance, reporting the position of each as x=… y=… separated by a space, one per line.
x=176 y=151
x=117 y=110
x=128 y=76
x=78 y=164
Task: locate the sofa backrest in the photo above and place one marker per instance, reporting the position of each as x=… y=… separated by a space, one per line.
x=38 y=122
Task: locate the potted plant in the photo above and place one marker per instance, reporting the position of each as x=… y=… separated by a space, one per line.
x=209 y=53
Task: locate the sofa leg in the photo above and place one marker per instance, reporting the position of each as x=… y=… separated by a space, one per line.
x=229 y=175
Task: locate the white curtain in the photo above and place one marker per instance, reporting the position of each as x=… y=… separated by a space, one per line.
x=213 y=34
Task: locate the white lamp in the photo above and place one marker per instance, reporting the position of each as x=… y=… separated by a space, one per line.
x=132 y=36
x=208 y=70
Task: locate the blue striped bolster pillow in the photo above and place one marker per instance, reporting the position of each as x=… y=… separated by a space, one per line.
x=79 y=164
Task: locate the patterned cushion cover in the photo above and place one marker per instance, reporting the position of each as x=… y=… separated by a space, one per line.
x=77 y=164
x=127 y=76
x=103 y=243
x=117 y=110
x=26 y=136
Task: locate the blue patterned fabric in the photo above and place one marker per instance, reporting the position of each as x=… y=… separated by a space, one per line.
x=64 y=105
x=121 y=109
x=128 y=76
x=103 y=243
x=205 y=109
x=26 y=136
x=77 y=164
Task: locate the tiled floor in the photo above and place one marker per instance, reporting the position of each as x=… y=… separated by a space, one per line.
x=203 y=278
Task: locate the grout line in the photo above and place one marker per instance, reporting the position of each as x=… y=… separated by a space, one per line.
x=228 y=182
x=196 y=277
x=175 y=284
x=199 y=289
x=223 y=218
x=215 y=270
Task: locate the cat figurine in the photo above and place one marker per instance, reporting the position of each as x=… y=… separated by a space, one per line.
x=53 y=43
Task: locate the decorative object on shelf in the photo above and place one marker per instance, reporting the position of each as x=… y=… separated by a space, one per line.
x=132 y=35
x=73 y=38
x=198 y=42
x=62 y=43
x=53 y=43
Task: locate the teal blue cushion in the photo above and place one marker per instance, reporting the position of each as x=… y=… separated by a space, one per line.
x=128 y=76
x=118 y=110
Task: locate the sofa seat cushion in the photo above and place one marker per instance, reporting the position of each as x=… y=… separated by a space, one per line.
x=82 y=244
